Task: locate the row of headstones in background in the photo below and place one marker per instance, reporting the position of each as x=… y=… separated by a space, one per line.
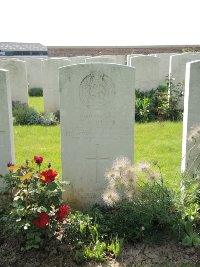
x=151 y=70
x=191 y=118
x=43 y=73
x=6 y=125
x=50 y=68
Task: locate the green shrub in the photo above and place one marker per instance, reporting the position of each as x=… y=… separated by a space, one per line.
x=160 y=103
x=25 y=115
x=35 y=92
x=49 y=118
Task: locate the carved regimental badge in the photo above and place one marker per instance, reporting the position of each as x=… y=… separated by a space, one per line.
x=96 y=89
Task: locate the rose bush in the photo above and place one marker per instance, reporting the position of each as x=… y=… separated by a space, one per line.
x=34 y=205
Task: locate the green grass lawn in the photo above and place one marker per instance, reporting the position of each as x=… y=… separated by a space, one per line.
x=38 y=140
x=37 y=103
x=153 y=141
x=162 y=142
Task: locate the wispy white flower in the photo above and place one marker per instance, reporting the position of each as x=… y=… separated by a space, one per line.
x=111 y=174
x=120 y=163
x=153 y=176
x=110 y=197
x=143 y=166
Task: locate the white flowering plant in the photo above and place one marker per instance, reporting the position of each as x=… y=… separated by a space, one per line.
x=124 y=180
x=137 y=203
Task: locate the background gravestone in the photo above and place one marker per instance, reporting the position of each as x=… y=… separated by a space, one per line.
x=191 y=117
x=146 y=72
x=128 y=58
x=164 y=65
x=97 y=119
x=18 y=79
x=178 y=65
x=78 y=59
x=120 y=59
x=51 y=83
x=102 y=59
x=6 y=124
x=178 y=69
x=34 y=72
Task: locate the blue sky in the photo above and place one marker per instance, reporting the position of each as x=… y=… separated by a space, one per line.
x=100 y=22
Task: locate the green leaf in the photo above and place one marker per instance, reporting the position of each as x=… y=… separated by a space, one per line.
x=37 y=239
x=187 y=241
x=196 y=241
x=189 y=228
x=52 y=186
x=41 y=209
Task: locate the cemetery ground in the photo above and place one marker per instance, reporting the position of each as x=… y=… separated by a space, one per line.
x=158 y=142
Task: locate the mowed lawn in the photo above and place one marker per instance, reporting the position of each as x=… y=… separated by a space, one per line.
x=38 y=140
x=37 y=103
x=157 y=141
x=161 y=142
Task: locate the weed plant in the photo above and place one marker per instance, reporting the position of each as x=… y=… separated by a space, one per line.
x=161 y=103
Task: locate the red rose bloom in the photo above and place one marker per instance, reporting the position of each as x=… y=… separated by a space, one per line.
x=43 y=220
x=48 y=176
x=62 y=212
x=38 y=159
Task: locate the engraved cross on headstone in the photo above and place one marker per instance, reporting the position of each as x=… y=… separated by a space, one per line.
x=97 y=159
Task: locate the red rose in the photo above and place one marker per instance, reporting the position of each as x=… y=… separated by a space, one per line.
x=62 y=212
x=48 y=176
x=38 y=159
x=43 y=220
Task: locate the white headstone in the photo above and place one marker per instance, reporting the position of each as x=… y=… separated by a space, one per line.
x=51 y=83
x=128 y=58
x=101 y=59
x=146 y=72
x=34 y=72
x=121 y=59
x=191 y=118
x=164 y=65
x=6 y=124
x=178 y=65
x=97 y=119
x=78 y=59
x=18 y=79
